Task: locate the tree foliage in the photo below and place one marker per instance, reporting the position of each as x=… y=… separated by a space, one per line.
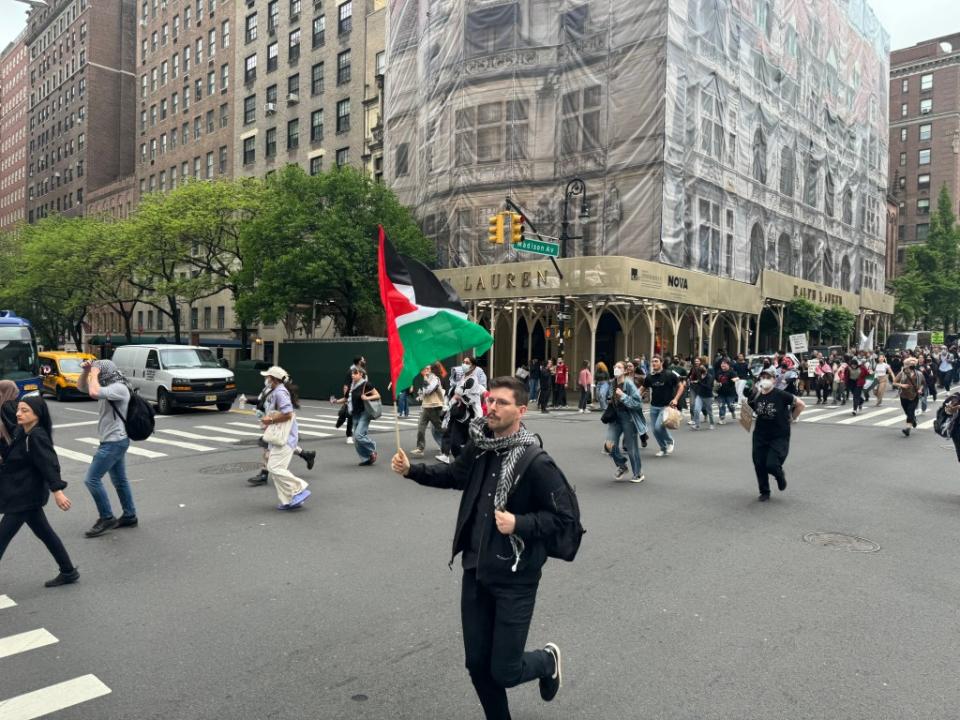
x=802 y=316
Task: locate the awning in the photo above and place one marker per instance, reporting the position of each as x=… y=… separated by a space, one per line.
x=221 y=343
x=118 y=340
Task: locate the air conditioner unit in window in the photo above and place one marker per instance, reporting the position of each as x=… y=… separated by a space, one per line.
x=293 y=98
x=270 y=108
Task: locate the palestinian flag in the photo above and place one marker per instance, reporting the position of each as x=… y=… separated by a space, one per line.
x=426 y=320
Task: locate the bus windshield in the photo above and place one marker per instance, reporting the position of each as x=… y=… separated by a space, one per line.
x=186 y=358
x=18 y=358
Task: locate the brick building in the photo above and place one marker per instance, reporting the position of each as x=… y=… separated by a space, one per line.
x=116 y=200
x=924 y=133
x=185 y=79
x=81 y=100
x=13 y=133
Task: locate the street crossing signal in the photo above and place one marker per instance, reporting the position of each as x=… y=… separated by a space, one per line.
x=516 y=227
x=496 y=229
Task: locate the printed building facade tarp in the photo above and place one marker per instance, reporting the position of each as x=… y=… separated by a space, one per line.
x=725 y=136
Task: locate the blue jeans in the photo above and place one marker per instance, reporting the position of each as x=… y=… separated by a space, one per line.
x=110 y=458
x=702 y=405
x=403 y=407
x=725 y=402
x=603 y=392
x=660 y=432
x=624 y=426
x=534 y=390
x=361 y=440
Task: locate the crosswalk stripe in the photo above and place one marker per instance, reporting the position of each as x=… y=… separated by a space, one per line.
x=22 y=642
x=6 y=602
x=229 y=431
x=867 y=415
x=73 y=455
x=197 y=436
x=308 y=433
x=131 y=450
x=926 y=425
x=891 y=421
x=311 y=433
x=180 y=444
x=833 y=413
x=53 y=698
x=385 y=420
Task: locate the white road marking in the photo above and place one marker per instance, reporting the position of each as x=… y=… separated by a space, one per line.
x=309 y=433
x=834 y=413
x=52 y=698
x=891 y=421
x=85 y=412
x=229 y=431
x=180 y=444
x=30 y=640
x=6 y=602
x=867 y=415
x=76 y=424
x=73 y=455
x=197 y=436
x=131 y=450
x=384 y=422
x=926 y=425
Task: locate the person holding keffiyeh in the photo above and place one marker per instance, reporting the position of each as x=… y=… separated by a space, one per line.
x=504 y=520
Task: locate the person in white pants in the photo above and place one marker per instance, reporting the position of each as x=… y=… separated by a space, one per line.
x=279 y=408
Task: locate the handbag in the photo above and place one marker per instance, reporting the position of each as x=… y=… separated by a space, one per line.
x=609 y=414
x=342 y=414
x=671 y=418
x=373 y=408
x=278 y=433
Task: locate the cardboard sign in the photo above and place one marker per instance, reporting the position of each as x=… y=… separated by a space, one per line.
x=936 y=337
x=812 y=365
x=798 y=343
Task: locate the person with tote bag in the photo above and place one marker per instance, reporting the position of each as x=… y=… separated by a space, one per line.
x=281 y=433
x=363 y=403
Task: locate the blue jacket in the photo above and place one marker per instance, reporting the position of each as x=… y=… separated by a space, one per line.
x=632 y=403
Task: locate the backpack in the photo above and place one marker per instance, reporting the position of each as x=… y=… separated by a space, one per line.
x=139 y=421
x=565 y=544
x=943 y=423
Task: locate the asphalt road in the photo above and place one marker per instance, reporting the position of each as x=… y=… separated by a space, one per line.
x=688 y=600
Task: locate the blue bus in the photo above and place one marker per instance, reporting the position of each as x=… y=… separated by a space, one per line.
x=18 y=352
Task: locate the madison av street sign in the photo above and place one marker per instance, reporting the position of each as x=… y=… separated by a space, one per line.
x=539 y=247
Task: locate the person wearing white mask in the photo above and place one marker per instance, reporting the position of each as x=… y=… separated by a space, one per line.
x=775 y=410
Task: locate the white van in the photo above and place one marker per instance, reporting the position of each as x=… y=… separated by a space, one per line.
x=177 y=375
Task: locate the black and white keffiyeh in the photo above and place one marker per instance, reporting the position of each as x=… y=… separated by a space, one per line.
x=512 y=447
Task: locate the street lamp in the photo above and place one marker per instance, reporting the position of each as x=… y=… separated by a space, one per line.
x=574 y=187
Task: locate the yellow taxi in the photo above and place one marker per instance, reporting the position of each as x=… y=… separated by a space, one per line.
x=59 y=372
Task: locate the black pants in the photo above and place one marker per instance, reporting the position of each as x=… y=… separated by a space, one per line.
x=459 y=435
x=769 y=454
x=945 y=377
x=36 y=520
x=546 y=390
x=496 y=620
x=349 y=425
x=584 y=397
x=559 y=395
x=910 y=408
x=857 y=392
x=823 y=393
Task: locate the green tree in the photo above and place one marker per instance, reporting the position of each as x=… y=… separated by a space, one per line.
x=312 y=245
x=837 y=324
x=802 y=316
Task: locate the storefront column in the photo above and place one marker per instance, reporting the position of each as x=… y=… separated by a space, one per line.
x=650 y=314
x=675 y=316
x=779 y=312
x=491 y=370
x=756 y=335
x=711 y=325
x=513 y=340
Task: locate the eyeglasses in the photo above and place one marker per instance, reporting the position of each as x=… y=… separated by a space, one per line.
x=499 y=402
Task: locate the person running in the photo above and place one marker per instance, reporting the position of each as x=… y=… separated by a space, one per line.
x=930 y=379
x=29 y=474
x=666 y=389
x=774 y=410
x=360 y=389
x=945 y=368
x=466 y=404
x=910 y=383
x=629 y=423
x=881 y=374
x=602 y=378
x=701 y=383
x=280 y=407
x=824 y=379
x=534 y=380
x=308 y=456
x=856 y=377
x=585 y=383
x=727 y=391
x=502 y=525
x=102 y=381
x=358 y=362
x=431 y=409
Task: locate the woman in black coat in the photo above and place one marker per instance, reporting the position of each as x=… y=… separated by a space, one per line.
x=29 y=473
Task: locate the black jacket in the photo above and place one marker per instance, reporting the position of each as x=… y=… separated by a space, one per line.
x=29 y=473
x=539 y=501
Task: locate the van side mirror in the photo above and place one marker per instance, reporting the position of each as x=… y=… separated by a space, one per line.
x=224 y=363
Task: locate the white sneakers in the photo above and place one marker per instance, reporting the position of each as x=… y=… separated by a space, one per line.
x=349 y=441
x=638 y=479
x=444 y=458
x=669 y=448
x=660 y=453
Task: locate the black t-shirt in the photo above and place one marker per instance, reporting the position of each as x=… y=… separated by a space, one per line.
x=663 y=387
x=773 y=413
x=896 y=364
x=728 y=383
x=702 y=379
x=741 y=369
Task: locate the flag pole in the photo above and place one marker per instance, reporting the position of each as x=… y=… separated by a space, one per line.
x=396 y=417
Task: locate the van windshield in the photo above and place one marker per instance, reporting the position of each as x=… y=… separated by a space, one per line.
x=71 y=365
x=185 y=358
x=901 y=341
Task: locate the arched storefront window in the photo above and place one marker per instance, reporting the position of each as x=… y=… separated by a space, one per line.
x=757 y=252
x=785 y=254
x=846 y=281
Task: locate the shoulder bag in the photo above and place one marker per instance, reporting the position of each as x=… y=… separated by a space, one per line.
x=372 y=408
x=277 y=434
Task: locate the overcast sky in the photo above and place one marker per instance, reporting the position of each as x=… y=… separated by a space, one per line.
x=907 y=21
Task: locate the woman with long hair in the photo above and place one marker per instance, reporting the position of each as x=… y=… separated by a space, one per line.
x=9 y=392
x=279 y=409
x=360 y=390
x=29 y=474
x=628 y=422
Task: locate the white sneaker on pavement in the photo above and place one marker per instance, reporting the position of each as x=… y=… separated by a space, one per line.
x=670 y=449
x=638 y=478
x=661 y=453
x=349 y=441
x=443 y=458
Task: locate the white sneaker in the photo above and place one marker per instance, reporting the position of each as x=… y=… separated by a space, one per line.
x=349 y=441
x=712 y=426
x=443 y=458
x=689 y=422
x=723 y=422
x=660 y=453
x=638 y=479
x=621 y=471
x=670 y=449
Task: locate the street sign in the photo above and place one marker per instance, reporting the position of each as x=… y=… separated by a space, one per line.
x=798 y=343
x=936 y=337
x=563 y=316
x=539 y=247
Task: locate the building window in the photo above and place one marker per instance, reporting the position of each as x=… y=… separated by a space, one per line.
x=903 y=134
x=185 y=134
x=926 y=82
x=270 y=142
x=294 y=9
x=175 y=65
x=903 y=110
x=709 y=236
x=316 y=165
x=250 y=28
x=250 y=69
x=580 y=129
x=272 y=97
x=381 y=63
x=788 y=171
x=343 y=116
x=902 y=182
x=316 y=79
x=923 y=206
x=759 y=169
x=164 y=67
x=923 y=157
x=273 y=53
x=209 y=169
x=343 y=67
x=344 y=18
x=194 y=318
x=316 y=126
x=293 y=88
x=223 y=160
x=903 y=159
x=925 y=132
x=225 y=34
x=293 y=134
x=923 y=182
x=319 y=30
x=211 y=82
x=212 y=41
x=492 y=30
x=811 y=186
x=197 y=128
x=923 y=231
x=224 y=115
x=342 y=156
x=403 y=151
x=249 y=109
x=210 y=122
x=926 y=106
x=273 y=16
x=848 y=206
x=904 y=86
x=293 y=53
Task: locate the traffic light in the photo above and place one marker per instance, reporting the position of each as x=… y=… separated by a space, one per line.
x=516 y=227
x=496 y=229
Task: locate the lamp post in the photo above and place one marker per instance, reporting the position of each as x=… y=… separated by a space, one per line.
x=574 y=187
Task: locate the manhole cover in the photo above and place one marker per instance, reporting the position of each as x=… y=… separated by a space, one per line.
x=851 y=543
x=230 y=468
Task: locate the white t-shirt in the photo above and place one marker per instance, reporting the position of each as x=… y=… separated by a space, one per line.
x=881 y=370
